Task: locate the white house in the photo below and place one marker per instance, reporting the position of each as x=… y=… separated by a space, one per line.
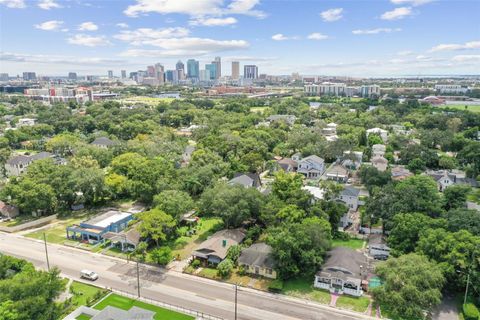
x=343 y=272
x=312 y=167
x=377 y=246
x=23 y=122
x=382 y=133
x=350 y=196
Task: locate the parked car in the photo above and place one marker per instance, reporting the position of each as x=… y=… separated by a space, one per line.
x=89 y=275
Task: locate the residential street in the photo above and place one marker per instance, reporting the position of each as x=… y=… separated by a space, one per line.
x=188 y=291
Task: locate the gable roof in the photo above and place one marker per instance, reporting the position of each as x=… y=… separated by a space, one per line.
x=17 y=160
x=345 y=263
x=313 y=158
x=378 y=159
x=103 y=141
x=246 y=179
x=113 y=313
x=215 y=244
x=258 y=254
x=350 y=192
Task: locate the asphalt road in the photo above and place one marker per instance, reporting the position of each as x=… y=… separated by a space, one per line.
x=203 y=295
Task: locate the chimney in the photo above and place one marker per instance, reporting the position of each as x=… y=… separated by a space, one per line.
x=224 y=243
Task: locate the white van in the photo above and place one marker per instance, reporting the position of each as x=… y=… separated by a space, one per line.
x=89 y=275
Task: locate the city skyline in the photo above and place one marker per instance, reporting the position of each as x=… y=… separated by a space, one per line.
x=341 y=38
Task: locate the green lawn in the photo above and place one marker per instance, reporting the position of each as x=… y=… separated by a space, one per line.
x=474 y=196
x=183 y=246
x=209 y=273
x=460 y=106
x=351 y=243
x=259 y=109
x=303 y=288
x=359 y=304
x=84 y=294
x=83 y=317
x=124 y=303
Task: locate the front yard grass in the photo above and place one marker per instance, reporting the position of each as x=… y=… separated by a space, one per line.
x=351 y=243
x=359 y=304
x=303 y=288
x=183 y=246
x=84 y=294
x=125 y=303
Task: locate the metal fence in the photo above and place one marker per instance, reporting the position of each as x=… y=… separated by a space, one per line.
x=196 y=314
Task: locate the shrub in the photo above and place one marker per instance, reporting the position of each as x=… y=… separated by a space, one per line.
x=276 y=286
x=225 y=268
x=242 y=271
x=162 y=255
x=470 y=312
x=196 y=263
x=233 y=253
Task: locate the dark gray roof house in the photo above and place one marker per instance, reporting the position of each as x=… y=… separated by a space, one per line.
x=103 y=142
x=258 y=254
x=135 y=313
x=215 y=248
x=350 y=192
x=248 y=180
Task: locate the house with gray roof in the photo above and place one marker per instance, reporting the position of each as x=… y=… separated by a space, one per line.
x=103 y=142
x=16 y=165
x=343 y=272
x=312 y=167
x=288 y=119
x=214 y=249
x=247 y=180
x=337 y=172
x=445 y=179
x=112 y=313
x=257 y=259
x=350 y=196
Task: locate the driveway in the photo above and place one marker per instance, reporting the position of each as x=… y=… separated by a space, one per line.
x=447 y=310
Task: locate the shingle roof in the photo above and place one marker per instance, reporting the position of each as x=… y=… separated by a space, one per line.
x=313 y=158
x=350 y=191
x=135 y=313
x=103 y=141
x=258 y=254
x=14 y=161
x=214 y=244
x=344 y=262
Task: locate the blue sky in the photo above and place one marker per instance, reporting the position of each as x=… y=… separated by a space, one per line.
x=343 y=38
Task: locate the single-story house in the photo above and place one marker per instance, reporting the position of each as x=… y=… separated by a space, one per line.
x=400 y=173
x=287 y=164
x=312 y=167
x=214 y=249
x=257 y=259
x=126 y=240
x=8 y=211
x=93 y=229
x=377 y=246
x=103 y=142
x=351 y=197
x=247 y=180
x=445 y=179
x=344 y=271
x=316 y=192
x=380 y=163
x=337 y=172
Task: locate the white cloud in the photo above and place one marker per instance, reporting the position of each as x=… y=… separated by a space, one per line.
x=144 y=35
x=88 y=41
x=197 y=8
x=56 y=59
x=415 y=3
x=279 y=37
x=404 y=53
x=332 y=14
x=14 y=4
x=317 y=36
x=456 y=46
x=48 y=4
x=375 y=31
x=397 y=13
x=467 y=58
x=122 y=25
x=87 y=26
x=213 y=22
x=51 y=25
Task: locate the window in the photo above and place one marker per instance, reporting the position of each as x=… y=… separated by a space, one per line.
x=268 y=271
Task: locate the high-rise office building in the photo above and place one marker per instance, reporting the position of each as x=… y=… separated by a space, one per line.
x=204 y=75
x=193 y=69
x=235 y=70
x=4 y=77
x=124 y=74
x=159 y=73
x=250 y=71
x=218 y=67
x=180 y=67
x=28 y=76
x=211 y=70
x=72 y=76
x=110 y=74
x=151 y=71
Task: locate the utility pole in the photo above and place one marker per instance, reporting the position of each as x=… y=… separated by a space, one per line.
x=236 y=290
x=46 y=251
x=138 y=280
x=466 y=289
